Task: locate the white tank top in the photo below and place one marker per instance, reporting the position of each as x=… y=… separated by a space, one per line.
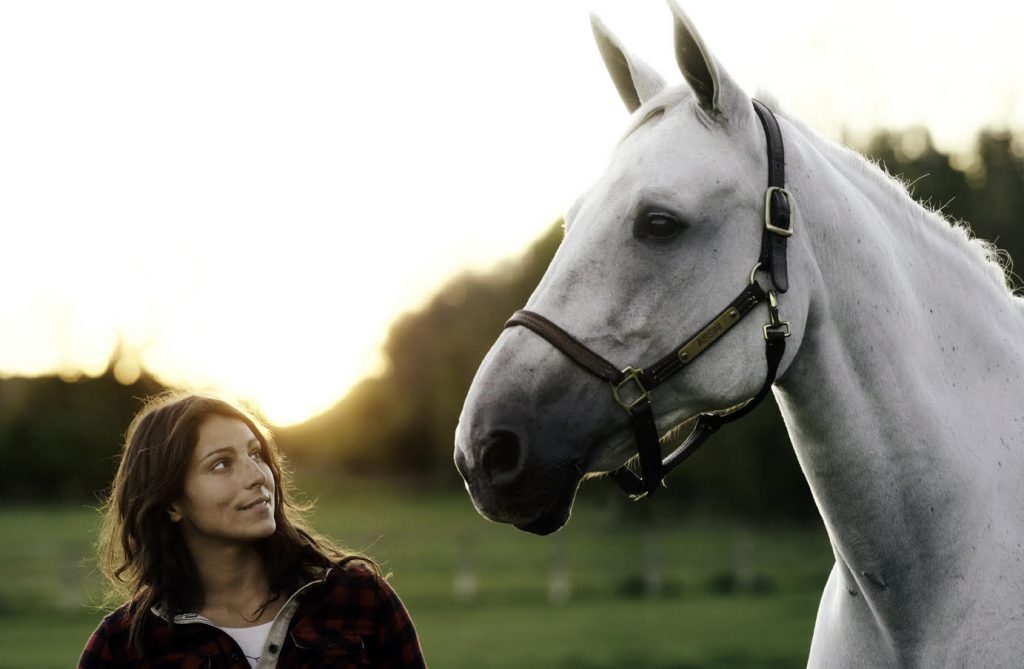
x=250 y=640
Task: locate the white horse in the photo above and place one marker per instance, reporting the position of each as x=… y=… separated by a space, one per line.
x=902 y=385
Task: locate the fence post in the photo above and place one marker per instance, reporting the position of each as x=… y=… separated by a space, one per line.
x=743 y=559
x=464 y=585
x=70 y=596
x=559 y=585
x=654 y=579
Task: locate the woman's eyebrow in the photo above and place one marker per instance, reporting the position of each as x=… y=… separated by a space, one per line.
x=215 y=452
x=249 y=444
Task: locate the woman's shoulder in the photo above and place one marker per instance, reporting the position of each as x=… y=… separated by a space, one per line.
x=115 y=622
x=394 y=637
x=352 y=583
x=354 y=574
x=345 y=595
x=110 y=638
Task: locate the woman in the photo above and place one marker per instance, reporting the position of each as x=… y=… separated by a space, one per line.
x=202 y=533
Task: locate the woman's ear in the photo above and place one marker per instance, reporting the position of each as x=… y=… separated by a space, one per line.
x=174 y=512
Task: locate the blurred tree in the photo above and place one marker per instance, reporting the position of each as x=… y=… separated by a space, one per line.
x=987 y=194
x=996 y=205
x=404 y=420
x=60 y=439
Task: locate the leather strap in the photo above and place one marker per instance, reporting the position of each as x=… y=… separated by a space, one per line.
x=649 y=377
x=707 y=424
x=641 y=414
x=773 y=244
x=776 y=149
x=646 y=433
x=567 y=344
x=672 y=363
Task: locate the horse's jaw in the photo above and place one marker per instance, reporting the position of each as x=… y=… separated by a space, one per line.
x=554 y=517
x=607 y=453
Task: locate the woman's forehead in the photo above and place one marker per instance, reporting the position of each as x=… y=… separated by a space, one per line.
x=217 y=432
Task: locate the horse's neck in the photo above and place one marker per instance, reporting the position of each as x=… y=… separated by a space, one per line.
x=904 y=402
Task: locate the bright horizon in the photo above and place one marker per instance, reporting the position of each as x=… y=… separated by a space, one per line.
x=245 y=195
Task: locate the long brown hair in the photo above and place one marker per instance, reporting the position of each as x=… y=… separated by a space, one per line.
x=142 y=552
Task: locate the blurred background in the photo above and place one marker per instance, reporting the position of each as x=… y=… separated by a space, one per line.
x=330 y=211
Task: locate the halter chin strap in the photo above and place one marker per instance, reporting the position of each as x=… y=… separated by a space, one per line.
x=631 y=386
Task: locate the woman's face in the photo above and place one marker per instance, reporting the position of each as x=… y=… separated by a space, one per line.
x=229 y=490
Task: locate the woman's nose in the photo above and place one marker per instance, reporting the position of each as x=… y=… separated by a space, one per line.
x=257 y=473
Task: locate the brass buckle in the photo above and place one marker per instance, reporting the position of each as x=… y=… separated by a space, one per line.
x=768 y=211
x=632 y=374
x=784 y=324
x=773 y=314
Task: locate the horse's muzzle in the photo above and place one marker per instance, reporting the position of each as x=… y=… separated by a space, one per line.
x=506 y=487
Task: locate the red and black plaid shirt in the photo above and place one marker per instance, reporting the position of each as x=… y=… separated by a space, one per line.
x=349 y=618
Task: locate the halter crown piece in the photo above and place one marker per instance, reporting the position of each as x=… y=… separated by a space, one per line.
x=631 y=386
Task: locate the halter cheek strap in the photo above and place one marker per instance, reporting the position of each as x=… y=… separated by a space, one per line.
x=631 y=386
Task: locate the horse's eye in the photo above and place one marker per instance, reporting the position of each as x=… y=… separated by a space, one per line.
x=657 y=225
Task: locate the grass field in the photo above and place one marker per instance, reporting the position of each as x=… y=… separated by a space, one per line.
x=599 y=594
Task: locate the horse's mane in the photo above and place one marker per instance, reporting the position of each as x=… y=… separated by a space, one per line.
x=992 y=262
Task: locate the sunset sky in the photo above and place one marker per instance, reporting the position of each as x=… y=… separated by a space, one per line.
x=245 y=194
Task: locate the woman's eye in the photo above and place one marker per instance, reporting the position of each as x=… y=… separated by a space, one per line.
x=657 y=225
x=219 y=465
x=257 y=456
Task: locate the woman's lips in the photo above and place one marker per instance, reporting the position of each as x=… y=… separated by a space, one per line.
x=257 y=505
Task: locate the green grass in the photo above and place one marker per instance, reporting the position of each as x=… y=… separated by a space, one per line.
x=728 y=596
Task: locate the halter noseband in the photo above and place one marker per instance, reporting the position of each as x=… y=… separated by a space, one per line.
x=631 y=386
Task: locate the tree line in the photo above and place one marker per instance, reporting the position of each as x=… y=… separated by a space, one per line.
x=59 y=439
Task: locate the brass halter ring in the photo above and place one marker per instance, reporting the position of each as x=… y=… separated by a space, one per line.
x=757 y=266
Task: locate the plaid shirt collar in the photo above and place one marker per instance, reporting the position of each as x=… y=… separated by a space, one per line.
x=161 y=610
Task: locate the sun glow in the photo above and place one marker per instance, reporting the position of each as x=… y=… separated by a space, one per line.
x=245 y=195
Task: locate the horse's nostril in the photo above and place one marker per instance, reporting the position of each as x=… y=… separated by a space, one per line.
x=502 y=456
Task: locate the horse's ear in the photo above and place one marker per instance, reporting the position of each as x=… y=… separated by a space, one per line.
x=636 y=81
x=717 y=93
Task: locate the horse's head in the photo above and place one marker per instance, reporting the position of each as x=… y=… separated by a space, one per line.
x=657 y=247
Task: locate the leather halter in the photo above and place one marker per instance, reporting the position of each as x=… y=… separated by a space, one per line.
x=631 y=386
